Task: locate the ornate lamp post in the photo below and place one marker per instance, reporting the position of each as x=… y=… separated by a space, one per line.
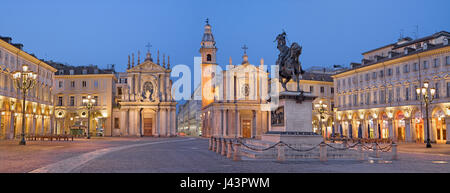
x=89 y=103
x=427 y=99
x=321 y=108
x=24 y=80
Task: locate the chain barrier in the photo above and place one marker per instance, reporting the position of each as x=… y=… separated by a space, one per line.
x=364 y=146
x=301 y=150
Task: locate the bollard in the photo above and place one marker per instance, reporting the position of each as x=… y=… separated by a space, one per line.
x=323 y=152
x=210 y=144
x=224 y=149
x=377 y=154
x=394 y=151
x=237 y=152
x=361 y=152
x=229 y=151
x=214 y=144
x=281 y=154
x=218 y=145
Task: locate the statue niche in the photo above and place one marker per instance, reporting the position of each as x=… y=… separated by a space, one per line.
x=148 y=91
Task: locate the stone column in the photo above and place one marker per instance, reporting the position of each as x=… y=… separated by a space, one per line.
x=157 y=129
x=222 y=127
x=173 y=120
x=408 y=136
x=34 y=125
x=447 y=126
x=12 y=125
x=42 y=125
x=163 y=127
x=253 y=124
x=392 y=134
x=238 y=124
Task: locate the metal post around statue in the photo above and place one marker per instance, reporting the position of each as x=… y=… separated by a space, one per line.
x=210 y=144
x=224 y=148
x=218 y=145
x=213 y=144
x=360 y=152
x=281 y=155
x=323 y=152
x=394 y=151
x=375 y=148
x=229 y=151
x=237 y=152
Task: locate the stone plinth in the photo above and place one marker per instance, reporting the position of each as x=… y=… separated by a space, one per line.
x=295 y=125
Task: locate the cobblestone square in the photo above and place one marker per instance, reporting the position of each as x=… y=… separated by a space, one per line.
x=191 y=155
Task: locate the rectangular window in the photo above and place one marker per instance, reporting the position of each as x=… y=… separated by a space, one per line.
x=72 y=84
x=425 y=64
x=415 y=93
x=389 y=72
x=436 y=63
x=382 y=97
x=60 y=84
x=84 y=83
x=448 y=89
x=332 y=90
x=72 y=100
x=361 y=98
x=407 y=94
x=367 y=77
x=397 y=70
x=381 y=73
x=322 y=89
x=374 y=75
x=60 y=101
x=116 y=123
x=447 y=60
x=311 y=88
x=368 y=98
x=374 y=97
x=416 y=66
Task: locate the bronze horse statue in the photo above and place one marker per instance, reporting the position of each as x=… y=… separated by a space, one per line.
x=288 y=61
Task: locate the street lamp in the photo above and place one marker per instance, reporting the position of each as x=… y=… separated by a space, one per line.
x=24 y=80
x=423 y=94
x=321 y=108
x=89 y=103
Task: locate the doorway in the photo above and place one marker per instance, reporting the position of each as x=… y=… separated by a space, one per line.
x=148 y=126
x=246 y=128
x=441 y=131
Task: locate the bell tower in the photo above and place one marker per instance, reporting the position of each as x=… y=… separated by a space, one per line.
x=208 y=51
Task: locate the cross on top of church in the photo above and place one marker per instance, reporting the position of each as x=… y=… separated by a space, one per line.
x=148 y=46
x=245 y=49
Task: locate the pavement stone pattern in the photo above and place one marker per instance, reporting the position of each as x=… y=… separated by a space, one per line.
x=191 y=155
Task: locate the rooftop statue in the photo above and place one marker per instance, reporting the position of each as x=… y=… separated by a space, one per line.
x=288 y=61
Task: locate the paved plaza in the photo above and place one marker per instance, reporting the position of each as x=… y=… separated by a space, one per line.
x=188 y=154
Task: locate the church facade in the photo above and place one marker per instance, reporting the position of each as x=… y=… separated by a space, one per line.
x=233 y=100
x=146 y=106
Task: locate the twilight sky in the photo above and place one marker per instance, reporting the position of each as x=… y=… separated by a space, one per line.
x=99 y=32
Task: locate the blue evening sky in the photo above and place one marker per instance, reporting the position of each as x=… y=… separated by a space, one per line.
x=104 y=32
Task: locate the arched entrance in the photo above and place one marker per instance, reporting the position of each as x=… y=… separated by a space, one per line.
x=439 y=125
x=401 y=126
x=419 y=127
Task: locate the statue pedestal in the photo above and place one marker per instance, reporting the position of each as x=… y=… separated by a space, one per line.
x=292 y=121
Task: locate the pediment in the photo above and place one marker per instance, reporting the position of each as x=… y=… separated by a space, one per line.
x=246 y=68
x=147 y=66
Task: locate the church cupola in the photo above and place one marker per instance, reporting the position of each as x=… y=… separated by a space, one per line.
x=208 y=46
x=149 y=57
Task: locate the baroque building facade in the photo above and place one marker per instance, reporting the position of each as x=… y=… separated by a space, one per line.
x=75 y=83
x=146 y=106
x=233 y=100
x=39 y=109
x=377 y=98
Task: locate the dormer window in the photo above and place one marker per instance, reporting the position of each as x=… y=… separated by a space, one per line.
x=84 y=71
x=72 y=72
